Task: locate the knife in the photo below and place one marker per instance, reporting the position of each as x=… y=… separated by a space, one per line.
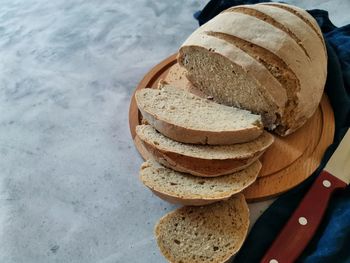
x=302 y=225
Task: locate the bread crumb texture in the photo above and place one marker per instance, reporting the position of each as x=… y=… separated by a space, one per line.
x=211 y=233
x=182 y=108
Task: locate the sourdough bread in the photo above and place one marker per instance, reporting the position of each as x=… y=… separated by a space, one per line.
x=185 y=117
x=186 y=189
x=202 y=160
x=211 y=233
x=276 y=65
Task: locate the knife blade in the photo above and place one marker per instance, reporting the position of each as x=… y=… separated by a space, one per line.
x=303 y=223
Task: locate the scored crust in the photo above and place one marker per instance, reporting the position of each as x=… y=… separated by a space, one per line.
x=295 y=40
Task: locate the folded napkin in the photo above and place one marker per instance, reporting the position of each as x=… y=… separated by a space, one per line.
x=332 y=240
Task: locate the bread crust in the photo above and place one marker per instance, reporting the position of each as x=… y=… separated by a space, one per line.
x=186 y=202
x=308 y=19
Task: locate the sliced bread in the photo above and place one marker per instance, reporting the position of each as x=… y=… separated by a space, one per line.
x=212 y=233
x=186 y=189
x=185 y=117
x=202 y=160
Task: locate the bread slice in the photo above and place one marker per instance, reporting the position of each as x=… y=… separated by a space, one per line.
x=186 y=189
x=212 y=233
x=202 y=160
x=185 y=117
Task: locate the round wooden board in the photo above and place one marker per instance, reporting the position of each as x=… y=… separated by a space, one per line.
x=287 y=163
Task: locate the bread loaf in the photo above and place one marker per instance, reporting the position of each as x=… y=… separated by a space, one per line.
x=202 y=160
x=186 y=189
x=267 y=58
x=206 y=234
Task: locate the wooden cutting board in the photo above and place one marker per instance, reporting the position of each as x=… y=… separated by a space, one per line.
x=287 y=163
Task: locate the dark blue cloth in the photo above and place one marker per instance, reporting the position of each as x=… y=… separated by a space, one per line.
x=332 y=240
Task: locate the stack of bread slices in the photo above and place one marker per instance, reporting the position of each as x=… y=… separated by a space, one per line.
x=201 y=153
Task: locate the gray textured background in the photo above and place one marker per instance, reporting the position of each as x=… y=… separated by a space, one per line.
x=68 y=183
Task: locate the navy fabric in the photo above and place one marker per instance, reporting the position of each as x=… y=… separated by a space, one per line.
x=332 y=240
x=214 y=7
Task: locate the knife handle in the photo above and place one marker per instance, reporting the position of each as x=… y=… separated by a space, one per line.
x=300 y=228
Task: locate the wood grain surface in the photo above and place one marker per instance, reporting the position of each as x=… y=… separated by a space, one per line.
x=287 y=163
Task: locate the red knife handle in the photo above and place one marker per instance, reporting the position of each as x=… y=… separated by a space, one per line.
x=300 y=228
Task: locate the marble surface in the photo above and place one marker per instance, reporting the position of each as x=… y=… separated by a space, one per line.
x=69 y=188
